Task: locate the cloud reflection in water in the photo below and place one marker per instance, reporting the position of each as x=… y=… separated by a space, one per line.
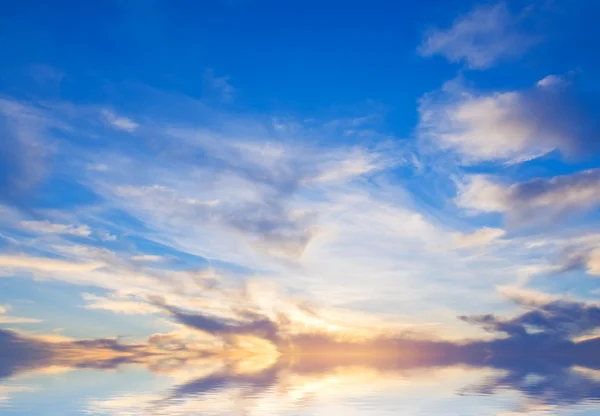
x=307 y=381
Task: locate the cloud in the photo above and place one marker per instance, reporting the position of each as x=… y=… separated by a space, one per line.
x=536 y=199
x=550 y=81
x=262 y=220
x=352 y=165
x=546 y=384
x=23 y=154
x=47 y=227
x=126 y=305
x=119 y=122
x=511 y=126
x=549 y=320
x=258 y=326
x=481 y=38
x=148 y=258
x=580 y=255
x=593 y=263
x=7 y=319
x=19 y=354
x=204 y=378
x=479 y=193
x=292 y=201
x=480 y=237
x=6 y=392
x=251 y=185
x=527 y=297
x=26 y=353
x=219 y=86
x=106 y=236
x=43 y=264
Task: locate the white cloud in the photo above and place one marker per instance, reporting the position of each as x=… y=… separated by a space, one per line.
x=550 y=81
x=295 y=212
x=479 y=193
x=327 y=221
x=47 y=227
x=119 y=122
x=482 y=127
x=480 y=237
x=527 y=297
x=510 y=126
x=106 y=236
x=127 y=305
x=481 y=38
x=542 y=197
x=7 y=319
x=351 y=165
x=147 y=258
x=43 y=264
x=8 y=391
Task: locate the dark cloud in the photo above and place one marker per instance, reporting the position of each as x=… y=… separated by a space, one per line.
x=561 y=113
x=554 y=197
x=19 y=354
x=252 y=324
x=545 y=325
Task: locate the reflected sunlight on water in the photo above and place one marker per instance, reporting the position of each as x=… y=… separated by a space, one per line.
x=304 y=386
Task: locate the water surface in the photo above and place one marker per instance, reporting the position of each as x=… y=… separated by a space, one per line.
x=214 y=385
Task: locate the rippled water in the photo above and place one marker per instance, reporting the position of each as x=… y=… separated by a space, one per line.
x=213 y=386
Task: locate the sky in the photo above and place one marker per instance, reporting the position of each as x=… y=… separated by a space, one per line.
x=240 y=172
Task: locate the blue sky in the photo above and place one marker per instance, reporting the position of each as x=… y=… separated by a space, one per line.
x=391 y=164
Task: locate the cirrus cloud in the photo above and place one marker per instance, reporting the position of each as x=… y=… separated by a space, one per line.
x=481 y=38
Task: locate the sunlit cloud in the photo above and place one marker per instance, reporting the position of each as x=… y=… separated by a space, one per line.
x=510 y=126
x=480 y=237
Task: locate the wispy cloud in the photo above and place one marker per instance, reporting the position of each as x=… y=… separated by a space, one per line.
x=118 y=122
x=44 y=264
x=24 y=153
x=47 y=227
x=481 y=38
x=124 y=304
x=480 y=237
x=8 y=319
x=218 y=86
x=278 y=201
